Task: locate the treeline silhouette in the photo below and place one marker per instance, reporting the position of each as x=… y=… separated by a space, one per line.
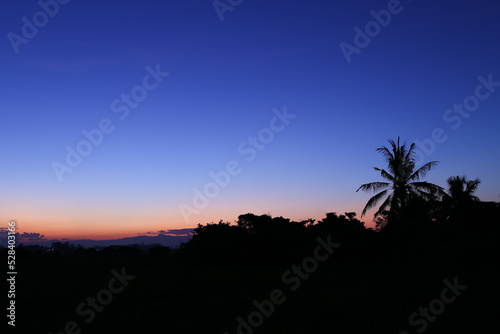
x=372 y=282
x=265 y=239
x=65 y=249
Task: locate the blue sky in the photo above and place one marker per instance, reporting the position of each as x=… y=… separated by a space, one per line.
x=225 y=79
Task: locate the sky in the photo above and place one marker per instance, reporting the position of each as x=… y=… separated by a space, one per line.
x=126 y=117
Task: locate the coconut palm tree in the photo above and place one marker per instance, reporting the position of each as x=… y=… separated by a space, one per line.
x=402 y=182
x=460 y=203
x=462 y=190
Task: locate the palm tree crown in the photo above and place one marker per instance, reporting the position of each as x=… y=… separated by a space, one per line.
x=462 y=190
x=403 y=181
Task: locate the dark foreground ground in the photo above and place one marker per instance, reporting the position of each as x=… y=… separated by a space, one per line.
x=361 y=288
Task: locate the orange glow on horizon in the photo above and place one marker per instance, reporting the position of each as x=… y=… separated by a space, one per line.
x=110 y=222
x=110 y=232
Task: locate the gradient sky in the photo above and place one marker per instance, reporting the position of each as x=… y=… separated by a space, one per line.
x=225 y=79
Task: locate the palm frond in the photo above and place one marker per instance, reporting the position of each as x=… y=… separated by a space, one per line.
x=384 y=174
x=429 y=187
x=409 y=155
x=386 y=153
x=373 y=201
x=384 y=205
x=373 y=186
x=471 y=186
x=425 y=195
x=422 y=171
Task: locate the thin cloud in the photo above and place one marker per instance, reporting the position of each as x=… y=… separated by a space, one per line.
x=25 y=236
x=171 y=232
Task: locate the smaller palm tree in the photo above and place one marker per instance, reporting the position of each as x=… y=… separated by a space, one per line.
x=462 y=190
x=460 y=203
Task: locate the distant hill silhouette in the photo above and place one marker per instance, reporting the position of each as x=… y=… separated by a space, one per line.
x=161 y=239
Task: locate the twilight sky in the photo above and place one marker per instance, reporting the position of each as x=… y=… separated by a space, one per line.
x=283 y=102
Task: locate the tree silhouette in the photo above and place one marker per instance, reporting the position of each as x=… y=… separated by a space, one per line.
x=403 y=182
x=342 y=228
x=461 y=201
x=462 y=190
